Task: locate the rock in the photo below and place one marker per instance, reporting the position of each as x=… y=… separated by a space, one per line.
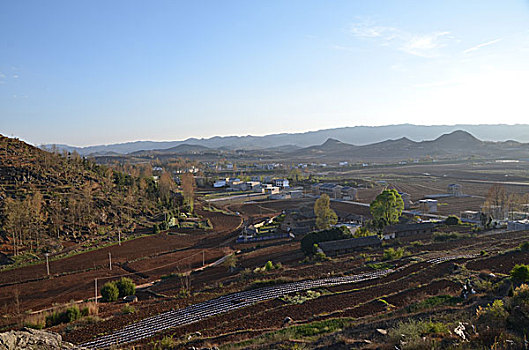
x=34 y=340
x=382 y=331
x=460 y=331
x=287 y=320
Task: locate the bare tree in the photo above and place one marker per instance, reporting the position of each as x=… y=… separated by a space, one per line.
x=496 y=203
x=188 y=189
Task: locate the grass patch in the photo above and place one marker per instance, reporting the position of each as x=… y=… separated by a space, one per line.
x=300 y=298
x=380 y=265
x=267 y=282
x=300 y=332
x=449 y=236
x=433 y=302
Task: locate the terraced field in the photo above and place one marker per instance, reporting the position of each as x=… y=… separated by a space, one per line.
x=150 y=326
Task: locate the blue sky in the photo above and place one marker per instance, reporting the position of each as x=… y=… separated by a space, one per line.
x=94 y=72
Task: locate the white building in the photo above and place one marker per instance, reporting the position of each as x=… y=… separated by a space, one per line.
x=281 y=183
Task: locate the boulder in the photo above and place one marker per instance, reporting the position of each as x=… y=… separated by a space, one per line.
x=33 y=339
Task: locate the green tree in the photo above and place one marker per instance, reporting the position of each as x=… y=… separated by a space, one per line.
x=452 y=220
x=325 y=216
x=386 y=208
x=110 y=291
x=126 y=287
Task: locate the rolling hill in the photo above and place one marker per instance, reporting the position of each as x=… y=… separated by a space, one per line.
x=456 y=144
x=358 y=135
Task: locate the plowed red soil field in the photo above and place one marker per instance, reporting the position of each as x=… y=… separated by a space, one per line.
x=73 y=278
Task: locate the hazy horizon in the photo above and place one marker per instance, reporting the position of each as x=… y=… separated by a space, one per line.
x=91 y=73
x=455 y=126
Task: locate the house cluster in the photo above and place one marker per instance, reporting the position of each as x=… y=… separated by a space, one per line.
x=334 y=191
x=302 y=220
x=268 y=186
x=263 y=230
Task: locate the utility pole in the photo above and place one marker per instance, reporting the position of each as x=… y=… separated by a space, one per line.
x=203 y=258
x=119 y=236
x=95 y=280
x=110 y=261
x=47 y=263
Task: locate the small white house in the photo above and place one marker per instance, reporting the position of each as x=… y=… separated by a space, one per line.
x=281 y=183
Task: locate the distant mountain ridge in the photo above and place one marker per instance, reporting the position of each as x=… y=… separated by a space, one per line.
x=455 y=144
x=357 y=136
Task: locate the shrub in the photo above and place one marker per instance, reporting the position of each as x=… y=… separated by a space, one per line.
x=71 y=314
x=110 y=292
x=155 y=229
x=493 y=315
x=167 y=342
x=392 y=254
x=126 y=287
x=128 y=309
x=519 y=306
x=521 y=296
x=453 y=220
x=524 y=247
x=231 y=262
x=269 y=266
x=520 y=273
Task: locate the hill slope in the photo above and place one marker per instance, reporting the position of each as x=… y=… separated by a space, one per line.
x=50 y=199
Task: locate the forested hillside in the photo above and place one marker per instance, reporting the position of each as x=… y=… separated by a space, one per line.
x=50 y=201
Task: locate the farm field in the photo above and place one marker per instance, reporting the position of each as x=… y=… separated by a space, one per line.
x=172 y=260
x=412 y=282
x=152 y=256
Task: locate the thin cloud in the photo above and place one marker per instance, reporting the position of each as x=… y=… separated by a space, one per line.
x=426 y=45
x=479 y=46
x=423 y=45
x=342 y=48
x=367 y=30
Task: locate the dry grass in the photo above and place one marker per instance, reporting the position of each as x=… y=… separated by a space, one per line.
x=38 y=320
